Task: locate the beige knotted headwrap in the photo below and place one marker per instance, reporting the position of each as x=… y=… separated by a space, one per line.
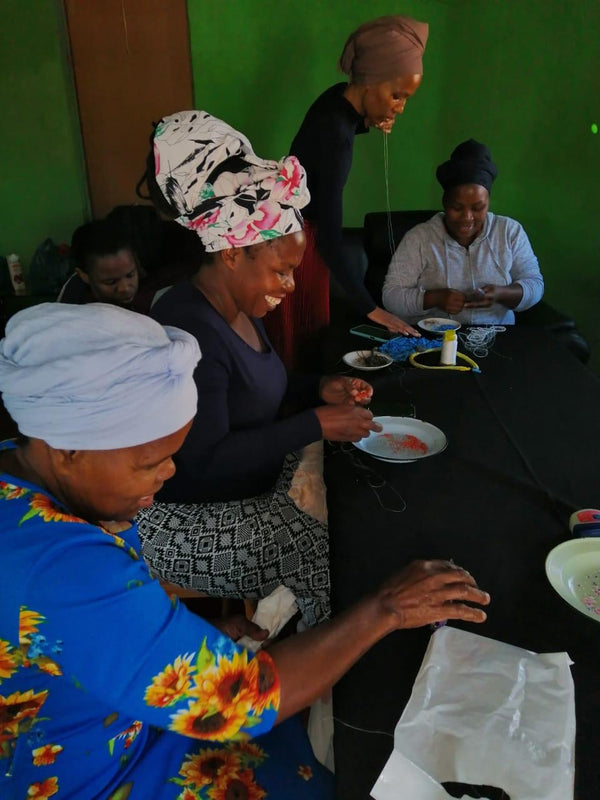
x=384 y=49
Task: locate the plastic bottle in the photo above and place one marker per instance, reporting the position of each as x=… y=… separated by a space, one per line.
x=16 y=274
x=585 y=522
x=449 y=346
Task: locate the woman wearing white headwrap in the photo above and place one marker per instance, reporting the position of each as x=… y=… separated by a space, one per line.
x=107 y=688
x=226 y=524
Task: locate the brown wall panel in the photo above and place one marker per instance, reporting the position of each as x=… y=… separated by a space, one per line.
x=131 y=61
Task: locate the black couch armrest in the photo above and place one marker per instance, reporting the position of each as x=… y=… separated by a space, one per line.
x=544 y=314
x=559 y=325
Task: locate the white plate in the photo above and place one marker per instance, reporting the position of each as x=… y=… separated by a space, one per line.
x=388 y=445
x=432 y=325
x=353 y=360
x=394 y=460
x=573 y=569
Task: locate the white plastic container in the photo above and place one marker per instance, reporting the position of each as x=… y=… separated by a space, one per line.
x=17 y=276
x=449 y=346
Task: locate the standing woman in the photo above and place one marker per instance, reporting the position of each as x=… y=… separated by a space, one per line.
x=383 y=59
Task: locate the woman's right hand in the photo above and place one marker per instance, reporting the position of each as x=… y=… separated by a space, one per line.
x=390 y=321
x=422 y=593
x=451 y=300
x=345 y=423
x=431 y=591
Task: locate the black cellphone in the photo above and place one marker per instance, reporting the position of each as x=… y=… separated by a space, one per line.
x=373 y=332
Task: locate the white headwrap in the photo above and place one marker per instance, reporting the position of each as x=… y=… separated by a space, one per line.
x=232 y=198
x=96 y=377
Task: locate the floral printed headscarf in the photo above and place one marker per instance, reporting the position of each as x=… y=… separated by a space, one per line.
x=210 y=174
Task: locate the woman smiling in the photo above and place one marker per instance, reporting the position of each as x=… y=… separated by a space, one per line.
x=226 y=524
x=466 y=263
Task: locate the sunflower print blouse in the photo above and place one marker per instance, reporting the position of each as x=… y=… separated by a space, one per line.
x=109 y=689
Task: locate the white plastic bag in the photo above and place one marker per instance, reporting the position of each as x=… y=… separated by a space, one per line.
x=484 y=713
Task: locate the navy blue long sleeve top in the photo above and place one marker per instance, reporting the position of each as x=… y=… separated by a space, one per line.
x=324 y=145
x=237 y=442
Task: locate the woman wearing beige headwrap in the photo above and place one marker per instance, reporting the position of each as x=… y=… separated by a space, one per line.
x=383 y=59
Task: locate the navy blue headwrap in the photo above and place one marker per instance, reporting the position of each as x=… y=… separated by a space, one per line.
x=470 y=162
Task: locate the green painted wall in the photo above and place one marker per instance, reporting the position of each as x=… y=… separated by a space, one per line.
x=42 y=176
x=259 y=65
x=524 y=77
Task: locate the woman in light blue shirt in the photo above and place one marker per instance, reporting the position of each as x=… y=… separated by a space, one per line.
x=465 y=263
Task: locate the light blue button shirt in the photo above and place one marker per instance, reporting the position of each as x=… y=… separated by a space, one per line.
x=429 y=258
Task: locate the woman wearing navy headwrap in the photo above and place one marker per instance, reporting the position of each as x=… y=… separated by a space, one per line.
x=383 y=60
x=108 y=689
x=465 y=263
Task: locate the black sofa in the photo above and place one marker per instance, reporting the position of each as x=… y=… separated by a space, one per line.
x=368 y=251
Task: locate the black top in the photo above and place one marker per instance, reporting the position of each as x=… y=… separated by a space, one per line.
x=238 y=440
x=324 y=146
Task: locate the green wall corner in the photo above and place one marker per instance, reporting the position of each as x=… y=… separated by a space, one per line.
x=43 y=178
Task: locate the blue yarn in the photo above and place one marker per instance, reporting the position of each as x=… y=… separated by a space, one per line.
x=402 y=347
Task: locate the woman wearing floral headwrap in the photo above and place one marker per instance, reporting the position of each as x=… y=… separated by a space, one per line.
x=226 y=524
x=383 y=59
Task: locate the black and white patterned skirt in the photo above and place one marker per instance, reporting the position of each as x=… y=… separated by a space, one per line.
x=242 y=548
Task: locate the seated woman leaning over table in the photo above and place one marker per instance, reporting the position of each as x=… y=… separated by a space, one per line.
x=226 y=525
x=108 y=688
x=465 y=263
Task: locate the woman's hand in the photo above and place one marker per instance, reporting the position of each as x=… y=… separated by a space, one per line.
x=237 y=625
x=482 y=298
x=391 y=322
x=432 y=591
x=454 y=301
x=451 y=300
x=386 y=126
x=337 y=390
x=509 y=296
x=345 y=423
x=424 y=592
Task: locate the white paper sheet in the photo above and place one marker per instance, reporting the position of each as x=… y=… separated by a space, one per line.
x=484 y=713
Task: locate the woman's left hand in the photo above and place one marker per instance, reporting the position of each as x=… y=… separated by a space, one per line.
x=509 y=296
x=483 y=297
x=337 y=390
x=385 y=125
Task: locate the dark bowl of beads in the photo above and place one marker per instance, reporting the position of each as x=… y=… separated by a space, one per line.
x=367 y=360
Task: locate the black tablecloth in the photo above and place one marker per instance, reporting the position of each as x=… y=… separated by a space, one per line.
x=523 y=453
